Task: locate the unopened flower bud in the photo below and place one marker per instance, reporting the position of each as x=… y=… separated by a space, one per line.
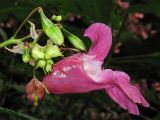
x=37 y=52
x=48 y=68
x=35 y=91
x=26 y=55
x=57 y=18
x=76 y=42
x=52 y=51
x=51 y=29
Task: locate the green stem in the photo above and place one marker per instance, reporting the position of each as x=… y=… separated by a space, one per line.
x=8 y=42
x=17 y=114
x=118 y=35
x=134 y=57
x=25 y=20
x=70 y=49
x=13 y=41
x=34 y=72
x=121 y=28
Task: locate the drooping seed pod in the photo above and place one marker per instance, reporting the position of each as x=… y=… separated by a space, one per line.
x=12 y=40
x=75 y=41
x=51 y=29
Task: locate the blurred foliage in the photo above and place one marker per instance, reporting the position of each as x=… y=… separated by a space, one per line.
x=138 y=57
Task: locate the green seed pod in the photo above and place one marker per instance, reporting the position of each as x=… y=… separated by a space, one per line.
x=57 y=18
x=37 y=52
x=76 y=42
x=51 y=29
x=41 y=64
x=52 y=51
x=26 y=55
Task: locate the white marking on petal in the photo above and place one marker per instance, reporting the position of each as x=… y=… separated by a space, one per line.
x=67 y=69
x=92 y=68
x=74 y=66
x=55 y=73
x=59 y=74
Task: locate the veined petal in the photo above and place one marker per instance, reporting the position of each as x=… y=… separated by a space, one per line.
x=122 y=79
x=101 y=37
x=119 y=88
x=122 y=99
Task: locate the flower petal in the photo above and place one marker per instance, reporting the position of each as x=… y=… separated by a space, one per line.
x=115 y=92
x=68 y=76
x=122 y=79
x=122 y=99
x=101 y=37
x=121 y=91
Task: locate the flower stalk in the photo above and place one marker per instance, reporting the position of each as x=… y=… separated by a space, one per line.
x=12 y=40
x=25 y=20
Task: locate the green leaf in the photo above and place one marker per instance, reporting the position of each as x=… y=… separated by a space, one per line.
x=17 y=114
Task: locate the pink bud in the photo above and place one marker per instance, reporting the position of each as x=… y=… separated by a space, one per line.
x=72 y=17
x=35 y=91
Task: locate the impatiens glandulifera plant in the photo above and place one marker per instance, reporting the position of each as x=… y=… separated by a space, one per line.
x=79 y=73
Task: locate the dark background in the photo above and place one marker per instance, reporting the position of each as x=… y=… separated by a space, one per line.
x=137 y=56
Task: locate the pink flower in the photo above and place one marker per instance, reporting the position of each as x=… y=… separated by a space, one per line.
x=82 y=73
